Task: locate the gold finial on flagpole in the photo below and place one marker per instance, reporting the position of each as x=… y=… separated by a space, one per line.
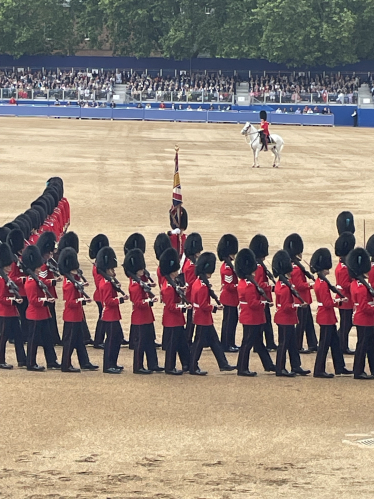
x=176 y=148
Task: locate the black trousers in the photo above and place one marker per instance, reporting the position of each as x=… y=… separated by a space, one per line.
x=328 y=338
x=267 y=328
x=10 y=327
x=24 y=322
x=100 y=327
x=39 y=333
x=112 y=345
x=86 y=332
x=252 y=337
x=345 y=327
x=190 y=326
x=206 y=335
x=53 y=324
x=306 y=324
x=228 y=329
x=364 y=346
x=144 y=343
x=72 y=339
x=176 y=344
x=287 y=343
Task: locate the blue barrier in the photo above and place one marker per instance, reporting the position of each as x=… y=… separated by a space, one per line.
x=365 y=117
x=96 y=113
x=120 y=113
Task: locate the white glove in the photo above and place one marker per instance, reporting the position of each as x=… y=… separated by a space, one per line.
x=176 y=231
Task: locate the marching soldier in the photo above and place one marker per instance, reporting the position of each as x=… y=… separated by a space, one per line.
x=321 y=264
x=294 y=246
x=206 y=333
x=260 y=247
x=176 y=234
x=345 y=222
x=252 y=300
x=173 y=318
x=358 y=263
x=286 y=316
x=226 y=251
x=73 y=316
x=343 y=245
x=162 y=243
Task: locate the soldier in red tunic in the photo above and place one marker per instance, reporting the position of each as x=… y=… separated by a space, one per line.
x=326 y=318
x=358 y=263
x=162 y=243
x=294 y=246
x=264 y=130
x=177 y=235
x=286 y=317
x=206 y=334
x=98 y=242
x=106 y=262
x=260 y=247
x=73 y=316
x=343 y=245
x=192 y=250
x=172 y=317
x=142 y=318
x=252 y=304
x=9 y=315
x=226 y=251
x=38 y=314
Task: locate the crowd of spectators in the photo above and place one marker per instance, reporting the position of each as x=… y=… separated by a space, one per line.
x=34 y=84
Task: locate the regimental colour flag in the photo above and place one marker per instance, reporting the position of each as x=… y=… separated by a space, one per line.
x=177 y=192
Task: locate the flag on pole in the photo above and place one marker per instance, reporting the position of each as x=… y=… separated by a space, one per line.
x=177 y=193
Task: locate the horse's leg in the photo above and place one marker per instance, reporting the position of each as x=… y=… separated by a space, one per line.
x=254 y=157
x=274 y=151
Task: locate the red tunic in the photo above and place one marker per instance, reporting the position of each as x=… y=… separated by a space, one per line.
x=73 y=311
x=371 y=275
x=363 y=312
x=177 y=242
x=251 y=306
x=189 y=276
x=161 y=279
x=7 y=304
x=285 y=310
x=265 y=128
x=229 y=286
x=325 y=312
x=47 y=276
x=141 y=311
x=110 y=300
x=262 y=279
x=37 y=309
x=202 y=308
x=97 y=278
x=298 y=279
x=343 y=283
x=19 y=278
x=33 y=239
x=172 y=315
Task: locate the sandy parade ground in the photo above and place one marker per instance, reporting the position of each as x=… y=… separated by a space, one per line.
x=93 y=435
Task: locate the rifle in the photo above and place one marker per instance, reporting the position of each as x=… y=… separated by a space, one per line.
x=32 y=274
x=148 y=276
x=78 y=285
x=303 y=269
x=53 y=267
x=269 y=275
x=251 y=279
x=367 y=285
x=285 y=281
x=178 y=289
x=204 y=279
x=146 y=287
x=114 y=282
x=333 y=288
x=13 y=288
x=80 y=273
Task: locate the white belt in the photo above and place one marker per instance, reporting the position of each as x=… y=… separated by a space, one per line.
x=196 y=305
x=320 y=304
x=243 y=303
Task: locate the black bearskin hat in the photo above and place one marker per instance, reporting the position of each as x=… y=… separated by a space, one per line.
x=34 y=217
x=162 y=243
x=69 y=240
x=344 y=244
x=245 y=263
x=98 y=242
x=134 y=261
x=46 y=242
x=193 y=244
x=106 y=259
x=4 y=231
x=227 y=245
x=358 y=262
x=16 y=240
x=24 y=226
x=183 y=222
x=6 y=255
x=260 y=246
x=12 y=225
x=42 y=214
x=294 y=245
x=68 y=261
x=321 y=260
x=345 y=222
x=169 y=261
x=50 y=202
x=31 y=258
x=52 y=191
x=40 y=201
x=206 y=264
x=281 y=263
x=263 y=115
x=134 y=241
x=369 y=246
